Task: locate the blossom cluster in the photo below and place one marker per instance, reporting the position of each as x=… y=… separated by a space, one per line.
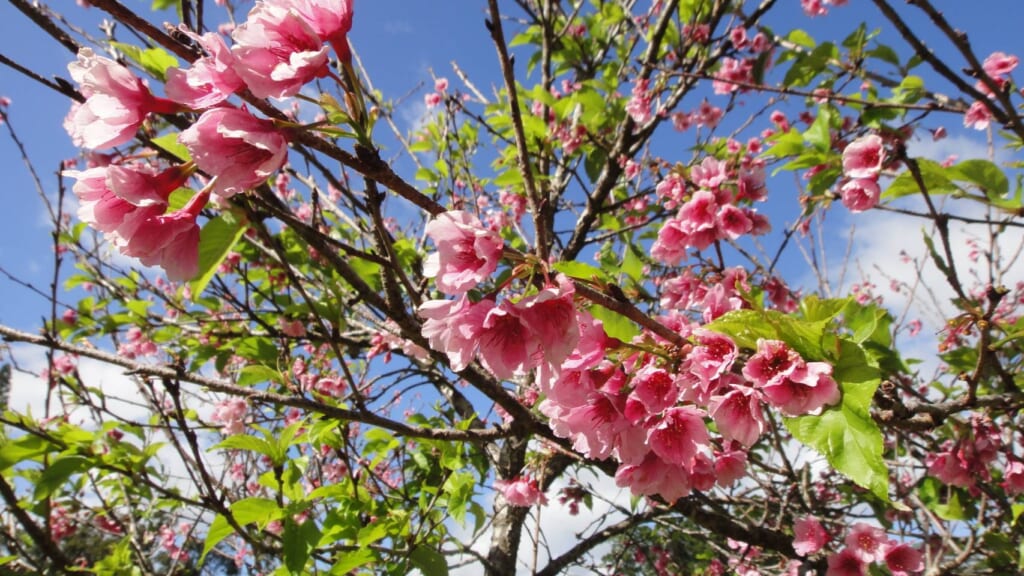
x=648 y=412
x=718 y=208
x=282 y=46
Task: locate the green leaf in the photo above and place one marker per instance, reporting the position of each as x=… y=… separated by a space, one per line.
x=216 y=240
x=57 y=473
x=819 y=134
x=349 y=561
x=247 y=443
x=580 y=270
x=935 y=178
x=156 y=61
x=942 y=499
x=429 y=561
x=909 y=91
x=632 y=264
x=22 y=449
x=615 y=325
x=260 y=511
x=219 y=530
x=169 y=142
x=846 y=434
x=256 y=374
x=984 y=174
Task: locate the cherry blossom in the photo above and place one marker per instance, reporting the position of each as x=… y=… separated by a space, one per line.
x=863 y=157
x=860 y=194
x=521 y=491
x=809 y=536
x=210 y=80
x=116 y=102
x=277 y=51
x=242 y=151
x=467 y=253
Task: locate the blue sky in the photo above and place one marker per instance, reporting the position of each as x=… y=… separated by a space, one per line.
x=398 y=41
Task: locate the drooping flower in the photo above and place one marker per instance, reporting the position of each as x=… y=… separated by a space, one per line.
x=773 y=363
x=978 y=116
x=863 y=157
x=550 y=318
x=277 y=51
x=808 y=536
x=452 y=327
x=505 y=342
x=170 y=241
x=210 y=79
x=239 y=149
x=116 y=102
x=467 y=253
x=860 y=194
x=654 y=388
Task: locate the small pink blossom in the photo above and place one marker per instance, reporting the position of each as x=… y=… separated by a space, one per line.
x=845 y=563
x=505 y=341
x=654 y=388
x=860 y=194
x=277 y=51
x=231 y=414
x=978 y=116
x=809 y=536
x=467 y=253
x=1013 y=478
x=452 y=327
x=240 y=150
x=863 y=157
x=999 y=64
x=210 y=80
x=521 y=491
x=903 y=559
x=772 y=364
x=867 y=542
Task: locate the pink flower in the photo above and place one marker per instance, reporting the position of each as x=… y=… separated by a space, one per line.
x=240 y=150
x=550 y=318
x=654 y=476
x=860 y=194
x=807 y=392
x=773 y=363
x=1013 y=478
x=845 y=563
x=712 y=357
x=903 y=559
x=867 y=542
x=863 y=157
x=521 y=491
x=467 y=253
x=432 y=99
x=452 y=327
x=102 y=208
x=505 y=341
x=738 y=415
x=210 y=80
x=730 y=466
x=231 y=413
x=808 y=536
x=277 y=51
x=331 y=20
x=999 y=64
x=678 y=435
x=731 y=74
x=116 y=102
x=170 y=241
x=654 y=388
x=978 y=116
